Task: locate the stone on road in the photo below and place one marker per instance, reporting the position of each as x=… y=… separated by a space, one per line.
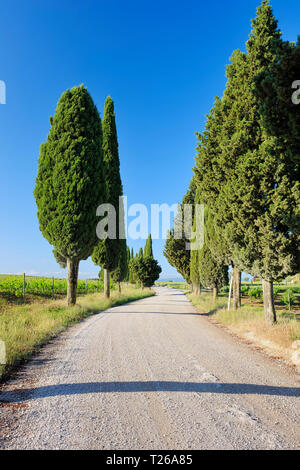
x=152 y=374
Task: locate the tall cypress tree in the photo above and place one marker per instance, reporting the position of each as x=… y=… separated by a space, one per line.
x=212 y=170
x=128 y=261
x=148 y=247
x=131 y=272
x=194 y=263
x=264 y=191
x=255 y=202
x=106 y=252
x=175 y=249
x=212 y=272
x=119 y=274
x=69 y=184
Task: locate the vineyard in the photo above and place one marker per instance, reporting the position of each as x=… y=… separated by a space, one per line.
x=19 y=285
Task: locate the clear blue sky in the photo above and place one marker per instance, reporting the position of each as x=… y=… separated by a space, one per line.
x=161 y=61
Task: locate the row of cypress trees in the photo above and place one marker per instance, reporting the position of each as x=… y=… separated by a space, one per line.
x=78 y=170
x=247 y=168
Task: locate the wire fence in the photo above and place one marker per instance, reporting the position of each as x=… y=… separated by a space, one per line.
x=20 y=285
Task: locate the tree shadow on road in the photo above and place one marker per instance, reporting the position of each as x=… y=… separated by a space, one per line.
x=13 y=396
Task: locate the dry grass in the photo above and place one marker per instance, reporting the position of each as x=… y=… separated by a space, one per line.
x=249 y=320
x=24 y=328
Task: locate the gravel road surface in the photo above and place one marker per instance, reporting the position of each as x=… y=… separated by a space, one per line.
x=152 y=374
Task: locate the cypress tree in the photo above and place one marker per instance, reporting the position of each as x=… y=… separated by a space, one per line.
x=212 y=170
x=264 y=193
x=61 y=260
x=175 y=249
x=119 y=274
x=148 y=247
x=128 y=261
x=194 y=259
x=255 y=202
x=177 y=255
x=212 y=271
x=147 y=270
x=69 y=184
x=131 y=273
x=107 y=252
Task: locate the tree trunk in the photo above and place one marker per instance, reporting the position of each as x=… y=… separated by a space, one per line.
x=72 y=265
x=119 y=287
x=196 y=288
x=106 y=283
x=270 y=314
x=215 y=294
x=236 y=288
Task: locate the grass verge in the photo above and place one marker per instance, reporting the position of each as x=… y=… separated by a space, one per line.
x=249 y=321
x=25 y=328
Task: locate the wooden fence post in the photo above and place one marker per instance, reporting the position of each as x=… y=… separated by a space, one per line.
x=230 y=290
x=24 y=285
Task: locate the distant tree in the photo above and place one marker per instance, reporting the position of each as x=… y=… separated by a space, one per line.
x=107 y=252
x=130 y=265
x=147 y=270
x=212 y=274
x=212 y=271
x=194 y=259
x=128 y=261
x=148 y=247
x=176 y=247
x=120 y=272
x=69 y=185
x=177 y=255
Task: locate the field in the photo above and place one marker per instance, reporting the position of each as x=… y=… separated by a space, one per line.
x=286 y=297
x=13 y=286
x=172 y=284
x=25 y=327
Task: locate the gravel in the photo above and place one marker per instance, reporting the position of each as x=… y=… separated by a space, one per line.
x=152 y=374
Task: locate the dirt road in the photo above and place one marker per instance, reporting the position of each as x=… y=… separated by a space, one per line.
x=153 y=374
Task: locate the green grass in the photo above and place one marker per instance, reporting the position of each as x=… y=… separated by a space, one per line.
x=25 y=328
x=249 y=319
